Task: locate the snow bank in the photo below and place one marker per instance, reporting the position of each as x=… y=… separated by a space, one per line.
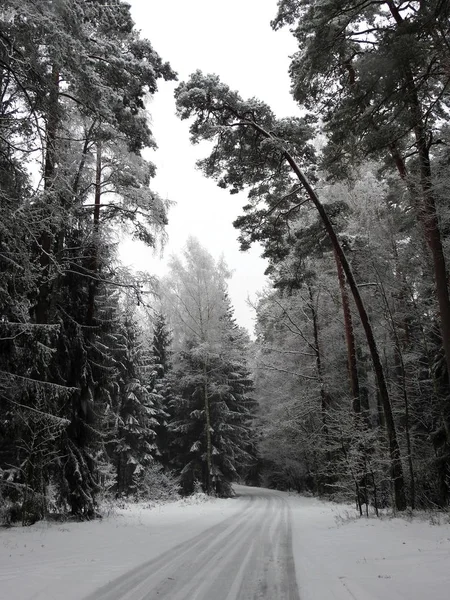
x=50 y=561
x=341 y=557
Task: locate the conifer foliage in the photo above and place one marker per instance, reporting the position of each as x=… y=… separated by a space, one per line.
x=212 y=407
x=74 y=76
x=352 y=358
x=133 y=411
x=161 y=361
x=372 y=82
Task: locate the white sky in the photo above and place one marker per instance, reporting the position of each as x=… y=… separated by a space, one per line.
x=234 y=40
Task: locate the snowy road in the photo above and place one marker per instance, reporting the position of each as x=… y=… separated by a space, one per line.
x=236 y=548
x=247 y=556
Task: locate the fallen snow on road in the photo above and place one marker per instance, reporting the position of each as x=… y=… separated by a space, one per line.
x=54 y=561
x=336 y=557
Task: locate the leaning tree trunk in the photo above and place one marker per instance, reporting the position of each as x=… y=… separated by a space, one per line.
x=394 y=449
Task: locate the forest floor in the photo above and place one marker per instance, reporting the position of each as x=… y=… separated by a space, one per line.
x=231 y=549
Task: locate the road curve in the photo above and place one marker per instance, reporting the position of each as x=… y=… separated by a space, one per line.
x=245 y=557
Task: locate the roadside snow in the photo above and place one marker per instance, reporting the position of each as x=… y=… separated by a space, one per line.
x=51 y=561
x=341 y=557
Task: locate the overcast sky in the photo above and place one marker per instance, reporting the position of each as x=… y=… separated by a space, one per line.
x=234 y=40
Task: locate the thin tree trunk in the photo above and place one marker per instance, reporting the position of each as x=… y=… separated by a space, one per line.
x=119 y=474
x=319 y=368
x=208 y=430
x=403 y=378
x=375 y=492
x=93 y=283
x=84 y=155
x=394 y=449
x=46 y=239
x=408 y=432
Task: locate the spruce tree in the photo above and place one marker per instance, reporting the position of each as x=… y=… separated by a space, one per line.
x=161 y=384
x=212 y=408
x=85 y=137
x=132 y=416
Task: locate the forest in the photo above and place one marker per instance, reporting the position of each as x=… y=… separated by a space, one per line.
x=119 y=384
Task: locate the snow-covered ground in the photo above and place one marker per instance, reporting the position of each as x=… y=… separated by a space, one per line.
x=67 y=561
x=336 y=557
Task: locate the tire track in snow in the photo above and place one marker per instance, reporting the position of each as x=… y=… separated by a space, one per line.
x=246 y=557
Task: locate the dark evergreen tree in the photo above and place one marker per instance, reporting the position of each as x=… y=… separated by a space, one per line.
x=227 y=386
x=212 y=407
x=132 y=416
x=161 y=382
x=85 y=138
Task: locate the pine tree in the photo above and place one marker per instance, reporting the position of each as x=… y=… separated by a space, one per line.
x=255 y=150
x=377 y=74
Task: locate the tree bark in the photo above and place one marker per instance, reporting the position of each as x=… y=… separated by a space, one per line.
x=93 y=283
x=394 y=449
x=46 y=239
x=349 y=338
x=208 y=430
x=427 y=211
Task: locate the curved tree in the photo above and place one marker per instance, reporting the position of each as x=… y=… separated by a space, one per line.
x=378 y=75
x=253 y=149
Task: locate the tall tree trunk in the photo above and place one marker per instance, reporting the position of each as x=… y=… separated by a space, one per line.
x=208 y=429
x=402 y=377
x=94 y=266
x=324 y=479
x=349 y=338
x=427 y=211
x=394 y=449
x=319 y=367
x=46 y=240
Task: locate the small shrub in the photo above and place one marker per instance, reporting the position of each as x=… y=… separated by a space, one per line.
x=10 y=512
x=157 y=485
